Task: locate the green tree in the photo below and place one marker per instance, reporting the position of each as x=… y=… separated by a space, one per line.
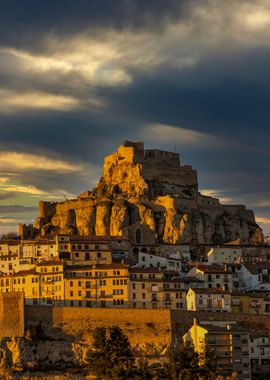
x=209 y=368
x=142 y=370
x=111 y=355
x=120 y=353
x=183 y=363
x=98 y=357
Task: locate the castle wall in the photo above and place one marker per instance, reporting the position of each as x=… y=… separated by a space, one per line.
x=77 y=324
x=11 y=315
x=157 y=327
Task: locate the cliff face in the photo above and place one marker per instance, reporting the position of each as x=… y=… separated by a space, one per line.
x=149 y=197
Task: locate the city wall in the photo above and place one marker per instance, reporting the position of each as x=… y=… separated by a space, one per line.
x=156 y=327
x=77 y=324
x=11 y=315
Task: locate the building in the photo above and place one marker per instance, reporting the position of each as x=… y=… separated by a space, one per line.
x=152 y=288
x=41 y=285
x=213 y=276
x=99 y=285
x=229 y=341
x=223 y=255
x=260 y=352
x=146 y=260
x=79 y=250
x=248 y=303
x=256 y=275
x=216 y=300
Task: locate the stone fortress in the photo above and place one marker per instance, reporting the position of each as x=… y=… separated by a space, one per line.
x=150 y=198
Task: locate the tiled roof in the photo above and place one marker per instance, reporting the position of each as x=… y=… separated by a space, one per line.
x=210 y=291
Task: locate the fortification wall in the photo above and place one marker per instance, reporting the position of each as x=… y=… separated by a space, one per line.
x=11 y=315
x=143 y=327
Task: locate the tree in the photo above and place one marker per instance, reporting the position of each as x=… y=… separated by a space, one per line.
x=209 y=368
x=183 y=363
x=111 y=355
x=142 y=370
x=98 y=357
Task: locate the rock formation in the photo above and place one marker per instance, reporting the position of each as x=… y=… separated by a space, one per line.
x=148 y=196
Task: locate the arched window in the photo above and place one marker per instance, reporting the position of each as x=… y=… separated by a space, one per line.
x=138 y=236
x=135 y=251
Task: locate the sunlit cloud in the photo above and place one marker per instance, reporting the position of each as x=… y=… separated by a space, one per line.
x=11 y=101
x=11 y=160
x=217 y=193
x=180 y=136
x=4 y=179
x=32 y=190
x=263 y=220
x=9 y=220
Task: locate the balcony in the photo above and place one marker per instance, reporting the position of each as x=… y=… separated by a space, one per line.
x=219 y=342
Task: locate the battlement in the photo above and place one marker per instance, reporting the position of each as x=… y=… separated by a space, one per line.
x=162 y=158
x=133 y=152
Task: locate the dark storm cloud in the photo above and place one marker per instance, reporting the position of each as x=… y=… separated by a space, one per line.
x=7 y=195
x=10 y=209
x=22 y=22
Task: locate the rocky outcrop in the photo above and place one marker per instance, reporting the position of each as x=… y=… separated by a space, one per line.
x=149 y=190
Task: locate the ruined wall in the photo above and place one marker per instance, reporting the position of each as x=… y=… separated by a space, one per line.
x=11 y=315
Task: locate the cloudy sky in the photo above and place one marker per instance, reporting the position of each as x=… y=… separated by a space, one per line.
x=79 y=77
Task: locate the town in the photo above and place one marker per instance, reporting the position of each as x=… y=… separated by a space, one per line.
x=146 y=240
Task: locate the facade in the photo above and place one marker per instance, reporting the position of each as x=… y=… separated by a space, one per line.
x=96 y=285
x=42 y=285
x=52 y=283
x=216 y=300
x=248 y=303
x=256 y=276
x=146 y=260
x=223 y=255
x=229 y=341
x=152 y=288
x=213 y=276
x=260 y=352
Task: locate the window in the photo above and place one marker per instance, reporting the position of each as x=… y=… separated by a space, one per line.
x=138 y=236
x=71 y=293
x=98 y=254
x=143 y=286
x=133 y=286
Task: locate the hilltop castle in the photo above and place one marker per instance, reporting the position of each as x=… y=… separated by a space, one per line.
x=149 y=197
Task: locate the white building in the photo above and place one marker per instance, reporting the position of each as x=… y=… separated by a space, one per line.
x=147 y=260
x=260 y=352
x=208 y=300
x=256 y=276
x=223 y=255
x=213 y=276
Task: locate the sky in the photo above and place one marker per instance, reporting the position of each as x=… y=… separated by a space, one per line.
x=79 y=77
